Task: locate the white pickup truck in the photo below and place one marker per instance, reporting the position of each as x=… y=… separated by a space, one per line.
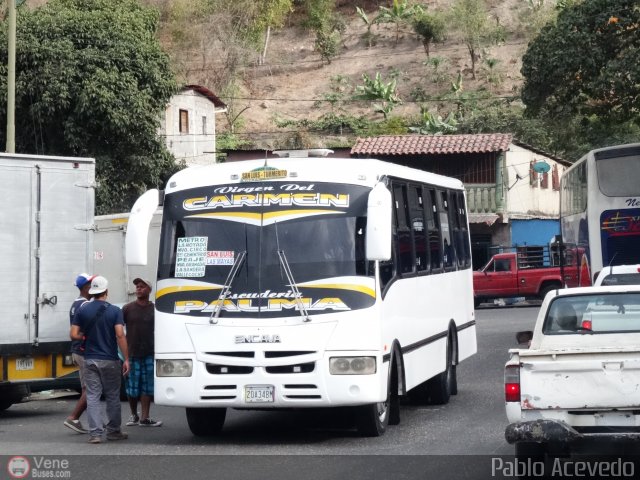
x=579 y=377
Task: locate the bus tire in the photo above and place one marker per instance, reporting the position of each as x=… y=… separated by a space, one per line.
x=372 y=420
x=4 y=404
x=204 y=422
x=439 y=387
x=453 y=377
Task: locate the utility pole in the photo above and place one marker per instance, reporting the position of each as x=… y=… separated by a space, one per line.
x=11 y=79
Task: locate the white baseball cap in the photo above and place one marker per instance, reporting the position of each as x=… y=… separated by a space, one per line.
x=98 y=285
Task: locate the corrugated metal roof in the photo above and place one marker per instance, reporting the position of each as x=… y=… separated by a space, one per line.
x=432 y=144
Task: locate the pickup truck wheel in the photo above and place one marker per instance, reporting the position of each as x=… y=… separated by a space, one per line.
x=205 y=422
x=532 y=453
x=546 y=289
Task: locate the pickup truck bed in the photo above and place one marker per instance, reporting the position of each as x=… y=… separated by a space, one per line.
x=578 y=383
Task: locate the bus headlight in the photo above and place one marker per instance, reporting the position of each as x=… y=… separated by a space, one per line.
x=352 y=365
x=174 y=368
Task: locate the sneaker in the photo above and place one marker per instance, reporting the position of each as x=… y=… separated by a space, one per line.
x=147 y=422
x=117 y=436
x=95 y=440
x=75 y=425
x=133 y=420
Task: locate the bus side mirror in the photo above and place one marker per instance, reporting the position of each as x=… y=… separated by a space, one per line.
x=138 y=227
x=379 y=218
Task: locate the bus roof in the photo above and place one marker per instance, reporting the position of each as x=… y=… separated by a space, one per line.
x=357 y=171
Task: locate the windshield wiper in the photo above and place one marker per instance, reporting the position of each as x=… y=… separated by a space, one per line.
x=226 y=288
x=294 y=287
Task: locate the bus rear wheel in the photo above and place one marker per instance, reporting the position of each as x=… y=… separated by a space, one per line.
x=442 y=386
x=204 y=422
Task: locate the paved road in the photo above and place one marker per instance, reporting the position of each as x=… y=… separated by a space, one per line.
x=472 y=423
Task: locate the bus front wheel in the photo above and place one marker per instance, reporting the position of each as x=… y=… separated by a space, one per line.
x=205 y=422
x=372 y=420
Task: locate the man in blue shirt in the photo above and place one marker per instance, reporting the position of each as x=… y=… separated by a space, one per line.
x=102 y=325
x=83 y=282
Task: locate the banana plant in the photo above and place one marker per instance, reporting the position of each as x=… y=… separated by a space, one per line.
x=377 y=89
x=398 y=13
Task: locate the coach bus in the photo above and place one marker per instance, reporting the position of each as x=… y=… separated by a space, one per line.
x=308 y=282
x=600 y=208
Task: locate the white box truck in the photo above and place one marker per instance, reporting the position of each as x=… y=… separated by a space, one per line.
x=109 y=256
x=46 y=223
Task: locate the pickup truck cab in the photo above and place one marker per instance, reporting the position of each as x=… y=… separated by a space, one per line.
x=619 y=275
x=510 y=275
x=579 y=378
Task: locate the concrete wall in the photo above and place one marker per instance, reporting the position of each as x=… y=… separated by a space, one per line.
x=196 y=147
x=533 y=232
x=524 y=199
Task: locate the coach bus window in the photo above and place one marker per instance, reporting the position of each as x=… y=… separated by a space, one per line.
x=416 y=208
x=433 y=229
x=404 y=247
x=449 y=255
x=618 y=176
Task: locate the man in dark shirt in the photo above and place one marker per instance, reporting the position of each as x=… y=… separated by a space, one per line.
x=139 y=319
x=83 y=282
x=103 y=328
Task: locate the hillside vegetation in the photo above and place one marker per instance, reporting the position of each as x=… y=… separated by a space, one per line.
x=310 y=73
x=295 y=97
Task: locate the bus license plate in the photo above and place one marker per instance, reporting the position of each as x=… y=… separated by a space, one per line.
x=25 y=363
x=258 y=393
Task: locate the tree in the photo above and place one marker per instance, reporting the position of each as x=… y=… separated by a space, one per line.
x=430 y=28
x=471 y=19
x=93 y=81
x=586 y=63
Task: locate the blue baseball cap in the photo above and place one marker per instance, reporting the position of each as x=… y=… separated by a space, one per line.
x=83 y=279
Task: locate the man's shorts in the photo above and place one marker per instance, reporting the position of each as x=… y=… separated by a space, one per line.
x=140 y=378
x=79 y=361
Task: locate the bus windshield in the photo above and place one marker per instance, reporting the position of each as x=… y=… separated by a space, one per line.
x=319 y=227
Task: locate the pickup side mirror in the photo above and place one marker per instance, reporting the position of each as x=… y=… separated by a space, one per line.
x=523 y=338
x=379 y=216
x=138 y=227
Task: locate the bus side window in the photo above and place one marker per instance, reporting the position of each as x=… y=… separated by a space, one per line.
x=463 y=248
x=404 y=245
x=416 y=209
x=445 y=227
x=433 y=229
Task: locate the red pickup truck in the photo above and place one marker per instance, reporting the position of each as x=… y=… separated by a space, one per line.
x=509 y=275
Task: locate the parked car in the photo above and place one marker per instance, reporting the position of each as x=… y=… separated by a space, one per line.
x=577 y=375
x=619 y=275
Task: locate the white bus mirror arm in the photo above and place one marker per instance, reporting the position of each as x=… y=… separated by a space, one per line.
x=138 y=227
x=379 y=219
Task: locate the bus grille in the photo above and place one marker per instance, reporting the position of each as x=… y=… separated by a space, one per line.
x=228 y=369
x=301 y=368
